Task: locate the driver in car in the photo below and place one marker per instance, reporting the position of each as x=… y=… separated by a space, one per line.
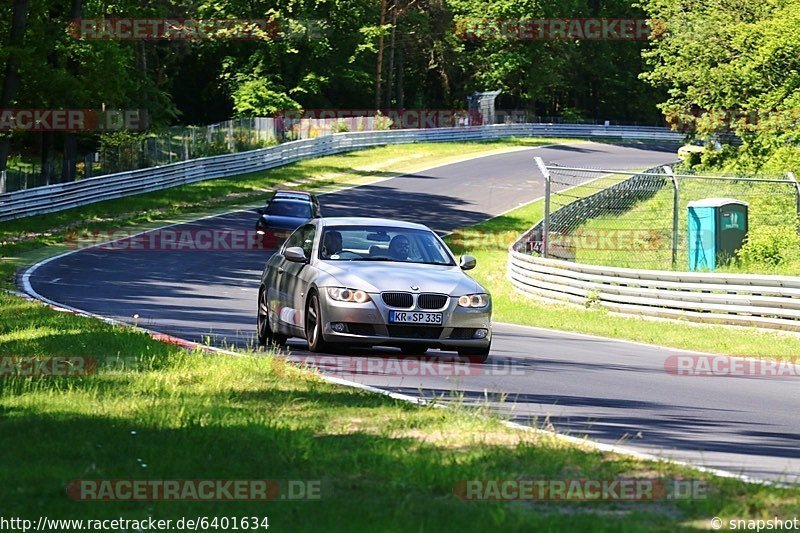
x=398 y=248
x=331 y=244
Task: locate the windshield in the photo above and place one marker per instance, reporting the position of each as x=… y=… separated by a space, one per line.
x=379 y=243
x=289 y=209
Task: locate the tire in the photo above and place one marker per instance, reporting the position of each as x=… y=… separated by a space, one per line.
x=313 y=325
x=263 y=331
x=475 y=355
x=413 y=349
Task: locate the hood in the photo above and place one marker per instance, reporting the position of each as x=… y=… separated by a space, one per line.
x=273 y=221
x=379 y=276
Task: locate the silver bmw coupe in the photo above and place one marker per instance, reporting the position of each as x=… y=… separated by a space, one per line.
x=340 y=282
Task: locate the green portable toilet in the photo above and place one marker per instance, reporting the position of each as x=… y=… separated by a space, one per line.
x=717 y=229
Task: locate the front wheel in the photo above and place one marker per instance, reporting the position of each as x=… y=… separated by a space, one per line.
x=265 y=333
x=475 y=355
x=314 y=324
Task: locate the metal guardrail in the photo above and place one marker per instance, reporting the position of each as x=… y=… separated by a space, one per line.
x=762 y=301
x=58 y=197
x=741 y=299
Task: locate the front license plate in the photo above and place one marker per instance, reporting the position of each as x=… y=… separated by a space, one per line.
x=410 y=317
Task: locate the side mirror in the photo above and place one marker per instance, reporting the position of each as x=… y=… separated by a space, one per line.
x=261 y=210
x=295 y=254
x=467 y=262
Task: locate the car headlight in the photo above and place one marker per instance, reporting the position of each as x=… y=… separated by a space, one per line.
x=348 y=295
x=474 y=300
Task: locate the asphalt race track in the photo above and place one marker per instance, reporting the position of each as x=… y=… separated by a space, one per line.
x=611 y=391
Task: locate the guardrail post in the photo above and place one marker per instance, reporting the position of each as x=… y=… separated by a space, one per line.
x=546 y=221
x=2 y=181
x=88 y=169
x=676 y=204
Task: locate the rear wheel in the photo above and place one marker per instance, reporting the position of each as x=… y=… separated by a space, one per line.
x=475 y=355
x=413 y=349
x=314 y=324
x=265 y=334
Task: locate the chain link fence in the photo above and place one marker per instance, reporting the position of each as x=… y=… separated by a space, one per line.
x=179 y=144
x=640 y=219
x=127 y=151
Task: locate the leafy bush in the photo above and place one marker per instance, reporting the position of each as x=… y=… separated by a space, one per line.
x=340 y=126
x=711 y=158
x=784 y=159
x=382 y=122
x=260 y=97
x=770 y=246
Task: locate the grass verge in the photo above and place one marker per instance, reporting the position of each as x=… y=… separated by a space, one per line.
x=170 y=414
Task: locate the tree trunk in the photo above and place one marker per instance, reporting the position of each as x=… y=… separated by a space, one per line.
x=400 y=74
x=70 y=160
x=48 y=172
x=379 y=66
x=8 y=91
x=390 y=69
x=144 y=104
x=46 y=161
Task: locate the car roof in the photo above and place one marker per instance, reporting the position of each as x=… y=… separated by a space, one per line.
x=282 y=193
x=287 y=200
x=369 y=221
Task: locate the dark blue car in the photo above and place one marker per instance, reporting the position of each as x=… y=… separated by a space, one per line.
x=285 y=212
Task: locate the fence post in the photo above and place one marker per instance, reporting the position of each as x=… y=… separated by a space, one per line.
x=676 y=204
x=546 y=222
x=88 y=161
x=793 y=179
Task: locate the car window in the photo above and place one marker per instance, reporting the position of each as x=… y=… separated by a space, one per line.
x=289 y=209
x=307 y=235
x=295 y=239
x=379 y=243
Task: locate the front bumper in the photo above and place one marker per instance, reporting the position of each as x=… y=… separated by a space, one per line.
x=368 y=324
